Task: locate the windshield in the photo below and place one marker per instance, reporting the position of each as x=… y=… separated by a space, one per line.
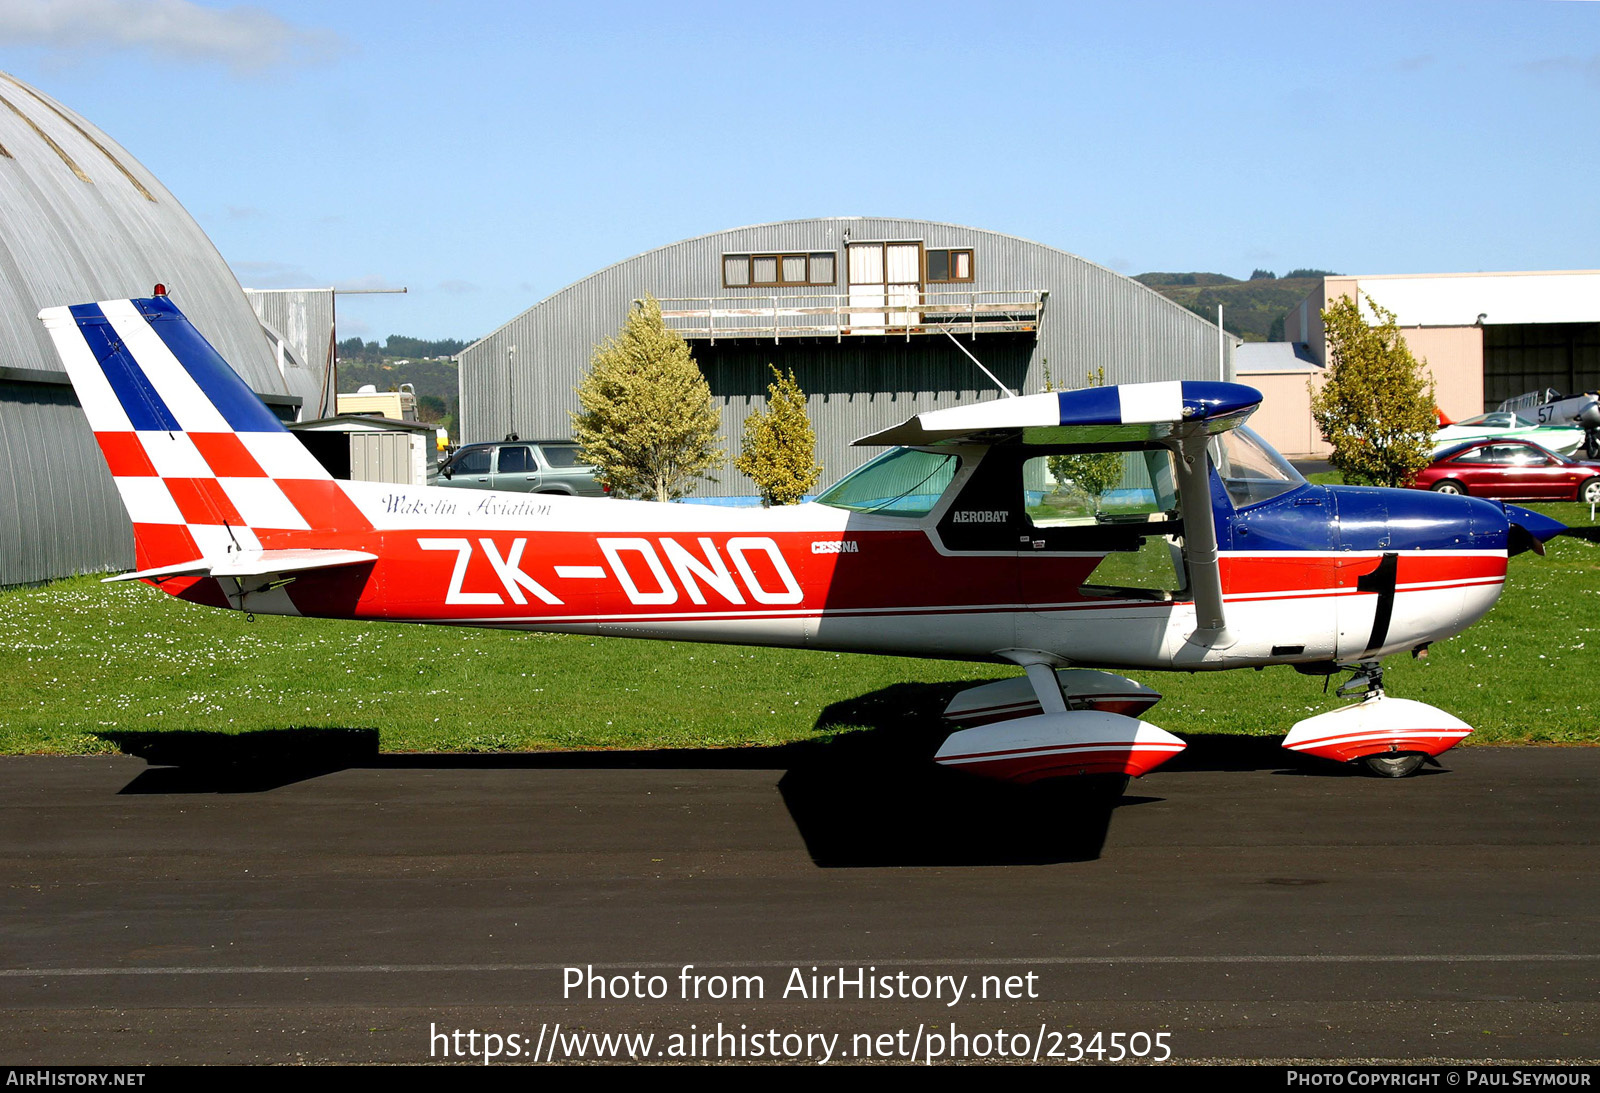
x=901 y=482
x=1251 y=470
x=1499 y=420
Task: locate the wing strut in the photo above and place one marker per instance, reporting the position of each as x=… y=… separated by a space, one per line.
x=1200 y=533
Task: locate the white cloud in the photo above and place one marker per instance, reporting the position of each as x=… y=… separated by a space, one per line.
x=1587 y=67
x=245 y=39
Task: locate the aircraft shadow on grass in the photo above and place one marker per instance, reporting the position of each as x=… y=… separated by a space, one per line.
x=866 y=794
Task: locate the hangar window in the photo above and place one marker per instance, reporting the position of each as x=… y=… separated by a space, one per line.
x=948 y=265
x=743 y=270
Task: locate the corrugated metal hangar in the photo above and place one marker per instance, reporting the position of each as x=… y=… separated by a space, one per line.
x=1483 y=337
x=868 y=312
x=84 y=221
x=863 y=309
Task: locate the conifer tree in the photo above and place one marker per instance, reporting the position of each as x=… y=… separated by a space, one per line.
x=647 y=421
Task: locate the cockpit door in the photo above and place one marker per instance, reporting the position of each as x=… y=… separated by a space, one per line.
x=1104 y=526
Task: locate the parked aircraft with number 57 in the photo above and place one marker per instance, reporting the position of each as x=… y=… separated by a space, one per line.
x=978 y=535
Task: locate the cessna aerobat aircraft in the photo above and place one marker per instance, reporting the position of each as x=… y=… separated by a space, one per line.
x=1131 y=527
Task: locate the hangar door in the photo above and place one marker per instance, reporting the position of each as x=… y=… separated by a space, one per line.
x=1521 y=357
x=884 y=273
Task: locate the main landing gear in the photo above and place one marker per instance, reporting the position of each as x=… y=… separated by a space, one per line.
x=1057 y=723
x=1389 y=737
x=1085 y=726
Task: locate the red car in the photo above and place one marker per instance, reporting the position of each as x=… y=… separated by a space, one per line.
x=1510 y=470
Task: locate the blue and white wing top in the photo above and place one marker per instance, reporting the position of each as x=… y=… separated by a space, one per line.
x=1120 y=414
x=1182 y=414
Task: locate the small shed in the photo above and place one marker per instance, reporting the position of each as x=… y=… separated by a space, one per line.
x=361 y=448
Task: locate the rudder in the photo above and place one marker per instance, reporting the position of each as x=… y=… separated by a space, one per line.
x=204 y=469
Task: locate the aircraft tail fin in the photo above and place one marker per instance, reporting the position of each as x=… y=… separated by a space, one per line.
x=204 y=468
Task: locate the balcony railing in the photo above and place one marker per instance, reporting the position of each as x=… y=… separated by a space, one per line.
x=874 y=312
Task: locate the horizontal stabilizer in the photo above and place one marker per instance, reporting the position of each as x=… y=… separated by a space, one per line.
x=253 y=563
x=1126 y=413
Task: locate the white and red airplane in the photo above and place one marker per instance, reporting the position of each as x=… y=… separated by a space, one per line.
x=974 y=537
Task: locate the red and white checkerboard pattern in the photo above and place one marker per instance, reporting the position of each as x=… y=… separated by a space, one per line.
x=207 y=489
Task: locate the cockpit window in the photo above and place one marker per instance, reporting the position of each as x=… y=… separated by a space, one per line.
x=1500 y=420
x=1133 y=492
x=1100 y=487
x=1251 y=470
x=901 y=482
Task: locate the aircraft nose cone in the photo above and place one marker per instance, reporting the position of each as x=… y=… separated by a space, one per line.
x=1536 y=526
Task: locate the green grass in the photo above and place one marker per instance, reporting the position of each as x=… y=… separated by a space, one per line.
x=86 y=664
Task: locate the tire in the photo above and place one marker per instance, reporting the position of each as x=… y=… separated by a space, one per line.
x=1450 y=486
x=1394 y=764
x=1589 y=491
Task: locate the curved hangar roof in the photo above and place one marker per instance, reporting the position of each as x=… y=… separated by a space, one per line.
x=85 y=221
x=1114 y=320
x=1050 y=307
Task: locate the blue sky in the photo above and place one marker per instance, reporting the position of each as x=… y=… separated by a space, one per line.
x=485 y=155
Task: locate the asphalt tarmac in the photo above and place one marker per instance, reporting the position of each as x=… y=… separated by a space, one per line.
x=305 y=900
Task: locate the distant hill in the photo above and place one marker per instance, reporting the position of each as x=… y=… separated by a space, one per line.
x=426 y=365
x=1177 y=280
x=398 y=346
x=1253 y=310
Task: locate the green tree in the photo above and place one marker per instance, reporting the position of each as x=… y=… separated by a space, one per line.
x=1090 y=472
x=1377 y=406
x=647 y=421
x=779 y=446
x=431 y=408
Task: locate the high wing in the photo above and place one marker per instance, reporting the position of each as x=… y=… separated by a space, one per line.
x=1181 y=414
x=1125 y=413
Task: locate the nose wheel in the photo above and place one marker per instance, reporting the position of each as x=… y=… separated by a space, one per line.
x=1394 y=764
x=1388 y=737
x=1367 y=682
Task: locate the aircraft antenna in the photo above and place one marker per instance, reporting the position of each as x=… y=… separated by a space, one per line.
x=1009 y=393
